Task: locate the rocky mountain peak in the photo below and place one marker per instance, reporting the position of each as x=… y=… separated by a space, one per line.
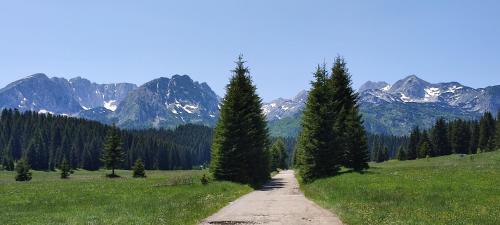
x=372 y=85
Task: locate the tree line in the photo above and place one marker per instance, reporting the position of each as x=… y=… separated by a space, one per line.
x=45 y=140
x=443 y=138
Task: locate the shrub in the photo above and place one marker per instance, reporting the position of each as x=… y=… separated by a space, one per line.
x=23 y=170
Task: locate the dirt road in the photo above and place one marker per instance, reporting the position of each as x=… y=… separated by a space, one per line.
x=280 y=202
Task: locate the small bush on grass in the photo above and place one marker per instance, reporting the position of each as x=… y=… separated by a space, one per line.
x=139 y=171
x=23 y=170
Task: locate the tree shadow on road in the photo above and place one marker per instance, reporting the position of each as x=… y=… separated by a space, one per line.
x=275 y=183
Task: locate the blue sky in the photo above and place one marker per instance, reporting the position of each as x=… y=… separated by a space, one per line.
x=283 y=41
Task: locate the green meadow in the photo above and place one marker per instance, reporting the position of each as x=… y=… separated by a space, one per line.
x=451 y=189
x=164 y=197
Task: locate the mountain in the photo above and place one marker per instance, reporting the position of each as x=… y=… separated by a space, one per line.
x=165 y=102
x=169 y=102
x=372 y=85
x=395 y=109
x=60 y=96
x=92 y=95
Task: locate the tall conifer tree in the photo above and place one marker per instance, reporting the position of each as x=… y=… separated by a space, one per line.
x=278 y=155
x=348 y=128
x=317 y=152
x=440 y=144
x=486 y=131
x=113 y=153
x=357 y=155
x=240 y=146
x=413 y=143
x=497 y=130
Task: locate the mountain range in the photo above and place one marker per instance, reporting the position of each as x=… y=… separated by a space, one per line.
x=169 y=102
x=395 y=109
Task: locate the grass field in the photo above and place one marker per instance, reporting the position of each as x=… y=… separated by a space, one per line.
x=165 y=197
x=443 y=190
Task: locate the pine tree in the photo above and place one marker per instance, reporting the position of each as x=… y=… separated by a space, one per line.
x=278 y=155
x=440 y=144
x=413 y=144
x=138 y=168
x=282 y=163
x=401 y=154
x=348 y=129
x=486 y=131
x=343 y=100
x=460 y=137
x=357 y=155
x=65 y=168
x=474 y=140
x=497 y=131
x=382 y=154
x=424 y=146
x=23 y=170
x=240 y=146
x=8 y=159
x=318 y=154
x=36 y=152
x=112 y=154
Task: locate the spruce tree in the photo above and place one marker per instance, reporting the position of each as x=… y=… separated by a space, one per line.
x=497 y=131
x=318 y=154
x=8 y=159
x=357 y=155
x=486 y=131
x=413 y=144
x=282 y=163
x=139 y=171
x=65 y=168
x=401 y=154
x=112 y=154
x=474 y=140
x=348 y=129
x=278 y=155
x=240 y=145
x=424 y=145
x=382 y=154
x=23 y=170
x=36 y=152
x=440 y=144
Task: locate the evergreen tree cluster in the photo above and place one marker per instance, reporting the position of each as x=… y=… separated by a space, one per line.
x=384 y=147
x=240 y=148
x=45 y=140
x=332 y=128
x=279 y=156
x=453 y=137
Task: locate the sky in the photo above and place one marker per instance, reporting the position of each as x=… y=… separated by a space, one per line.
x=282 y=41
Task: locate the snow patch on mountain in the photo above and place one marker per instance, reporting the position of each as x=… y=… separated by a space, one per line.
x=111 y=105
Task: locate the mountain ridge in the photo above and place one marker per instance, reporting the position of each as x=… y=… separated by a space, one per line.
x=395 y=109
x=172 y=101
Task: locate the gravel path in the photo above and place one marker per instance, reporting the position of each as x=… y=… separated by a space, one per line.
x=280 y=202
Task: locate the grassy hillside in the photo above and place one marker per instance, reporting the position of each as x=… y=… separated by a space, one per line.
x=165 y=197
x=443 y=190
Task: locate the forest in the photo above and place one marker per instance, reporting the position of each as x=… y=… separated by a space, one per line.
x=443 y=138
x=46 y=139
